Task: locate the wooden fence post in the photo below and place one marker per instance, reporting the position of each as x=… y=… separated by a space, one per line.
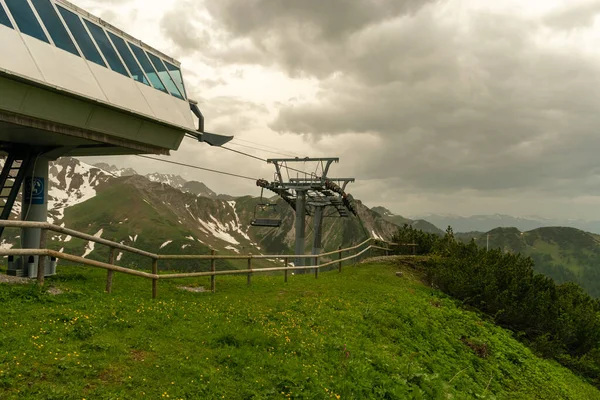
x=154 y=280
x=213 y=268
x=250 y=270
x=414 y=250
x=109 y=275
x=41 y=271
x=316 y=267
x=285 y=261
x=340 y=258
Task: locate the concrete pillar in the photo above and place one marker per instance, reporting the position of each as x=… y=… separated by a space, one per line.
x=318 y=230
x=300 y=226
x=35 y=204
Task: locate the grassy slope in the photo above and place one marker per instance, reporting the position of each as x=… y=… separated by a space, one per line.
x=361 y=334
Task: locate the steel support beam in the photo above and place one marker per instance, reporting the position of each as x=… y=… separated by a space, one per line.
x=300 y=227
x=318 y=230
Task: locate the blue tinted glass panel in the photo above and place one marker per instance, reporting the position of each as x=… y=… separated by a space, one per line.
x=81 y=36
x=147 y=67
x=54 y=26
x=25 y=19
x=4 y=18
x=132 y=65
x=164 y=75
x=177 y=77
x=106 y=48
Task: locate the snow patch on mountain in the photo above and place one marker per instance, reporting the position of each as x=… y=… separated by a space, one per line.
x=236 y=226
x=232 y=249
x=91 y=245
x=175 y=181
x=218 y=230
x=72 y=182
x=375 y=235
x=165 y=244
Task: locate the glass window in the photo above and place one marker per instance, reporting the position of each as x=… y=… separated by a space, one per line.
x=132 y=65
x=147 y=67
x=25 y=19
x=106 y=48
x=164 y=75
x=4 y=17
x=81 y=36
x=54 y=26
x=177 y=77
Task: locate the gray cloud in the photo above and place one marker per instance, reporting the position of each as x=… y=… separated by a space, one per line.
x=279 y=32
x=421 y=99
x=485 y=108
x=574 y=16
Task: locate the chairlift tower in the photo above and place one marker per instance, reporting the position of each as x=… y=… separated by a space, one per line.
x=309 y=194
x=74 y=85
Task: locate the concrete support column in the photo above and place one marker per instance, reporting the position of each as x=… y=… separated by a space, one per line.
x=35 y=204
x=300 y=226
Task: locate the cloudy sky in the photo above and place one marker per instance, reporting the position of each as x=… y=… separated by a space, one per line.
x=449 y=106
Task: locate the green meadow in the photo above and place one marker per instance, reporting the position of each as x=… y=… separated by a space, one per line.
x=361 y=334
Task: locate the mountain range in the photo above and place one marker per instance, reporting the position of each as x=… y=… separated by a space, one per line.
x=166 y=214
x=485 y=223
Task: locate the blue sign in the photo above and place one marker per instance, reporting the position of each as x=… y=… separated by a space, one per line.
x=34 y=191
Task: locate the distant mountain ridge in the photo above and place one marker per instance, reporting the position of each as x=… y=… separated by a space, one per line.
x=562 y=253
x=399 y=220
x=485 y=223
x=176 y=181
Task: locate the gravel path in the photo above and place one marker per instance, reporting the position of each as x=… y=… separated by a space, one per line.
x=15 y=280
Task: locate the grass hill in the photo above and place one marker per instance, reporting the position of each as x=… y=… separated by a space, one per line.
x=361 y=334
x=564 y=254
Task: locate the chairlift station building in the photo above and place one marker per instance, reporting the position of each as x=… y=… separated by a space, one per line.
x=73 y=85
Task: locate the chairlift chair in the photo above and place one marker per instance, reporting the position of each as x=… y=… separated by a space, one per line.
x=263 y=212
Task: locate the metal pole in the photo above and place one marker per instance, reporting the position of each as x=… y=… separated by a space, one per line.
x=340 y=258
x=300 y=226
x=285 y=261
x=316 y=267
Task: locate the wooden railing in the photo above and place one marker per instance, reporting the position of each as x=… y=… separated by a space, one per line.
x=155 y=276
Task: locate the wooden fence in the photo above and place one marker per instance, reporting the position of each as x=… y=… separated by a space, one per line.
x=155 y=276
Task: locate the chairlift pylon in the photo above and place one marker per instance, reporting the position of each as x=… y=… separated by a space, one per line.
x=266 y=208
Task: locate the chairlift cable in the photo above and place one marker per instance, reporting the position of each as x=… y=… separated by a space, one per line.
x=263 y=150
x=266 y=146
x=200 y=168
x=263 y=159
